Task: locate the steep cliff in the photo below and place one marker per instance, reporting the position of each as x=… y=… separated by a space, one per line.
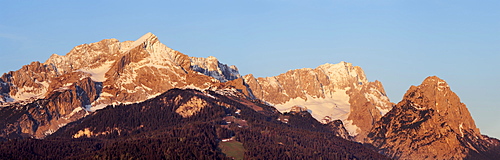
x=429 y=123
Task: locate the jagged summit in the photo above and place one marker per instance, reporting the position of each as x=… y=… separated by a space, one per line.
x=432 y=79
x=147 y=39
x=429 y=123
x=343 y=69
x=212 y=67
x=435 y=80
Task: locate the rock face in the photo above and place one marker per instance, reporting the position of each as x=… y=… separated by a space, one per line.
x=338 y=128
x=212 y=67
x=109 y=72
x=330 y=92
x=28 y=83
x=131 y=71
x=429 y=123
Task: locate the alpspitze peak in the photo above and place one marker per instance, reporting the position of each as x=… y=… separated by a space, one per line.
x=146 y=37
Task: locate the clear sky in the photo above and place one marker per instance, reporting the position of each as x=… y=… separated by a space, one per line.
x=398 y=42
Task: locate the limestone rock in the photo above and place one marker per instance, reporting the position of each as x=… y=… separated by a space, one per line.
x=298 y=109
x=338 y=128
x=429 y=123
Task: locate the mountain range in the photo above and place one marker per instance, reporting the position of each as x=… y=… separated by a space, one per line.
x=110 y=98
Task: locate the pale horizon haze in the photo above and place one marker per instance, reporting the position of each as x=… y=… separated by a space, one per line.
x=399 y=43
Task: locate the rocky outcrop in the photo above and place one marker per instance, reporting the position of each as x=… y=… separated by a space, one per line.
x=26 y=84
x=212 y=67
x=330 y=92
x=191 y=107
x=429 y=123
x=339 y=130
x=298 y=109
x=43 y=117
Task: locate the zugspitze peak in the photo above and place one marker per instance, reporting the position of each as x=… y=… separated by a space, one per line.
x=67 y=95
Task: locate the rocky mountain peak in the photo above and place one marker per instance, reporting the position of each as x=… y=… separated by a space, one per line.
x=436 y=82
x=434 y=93
x=429 y=123
x=112 y=72
x=148 y=42
x=343 y=70
x=329 y=91
x=146 y=38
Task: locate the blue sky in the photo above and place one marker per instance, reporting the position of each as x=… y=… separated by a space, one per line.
x=397 y=42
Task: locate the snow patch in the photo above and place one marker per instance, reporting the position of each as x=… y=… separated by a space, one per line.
x=273 y=82
x=49 y=132
x=9 y=99
x=76 y=110
x=25 y=93
x=442 y=85
x=417 y=106
x=336 y=107
x=461 y=127
x=379 y=102
x=44 y=83
x=99 y=74
x=351 y=128
x=87 y=107
x=227 y=92
x=337 y=72
x=153 y=96
x=191 y=86
x=146 y=88
x=209 y=95
x=106 y=94
x=97 y=107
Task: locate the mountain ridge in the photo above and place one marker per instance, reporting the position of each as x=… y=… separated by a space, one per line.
x=40 y=98
x=123 y=72
x=126 y=72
